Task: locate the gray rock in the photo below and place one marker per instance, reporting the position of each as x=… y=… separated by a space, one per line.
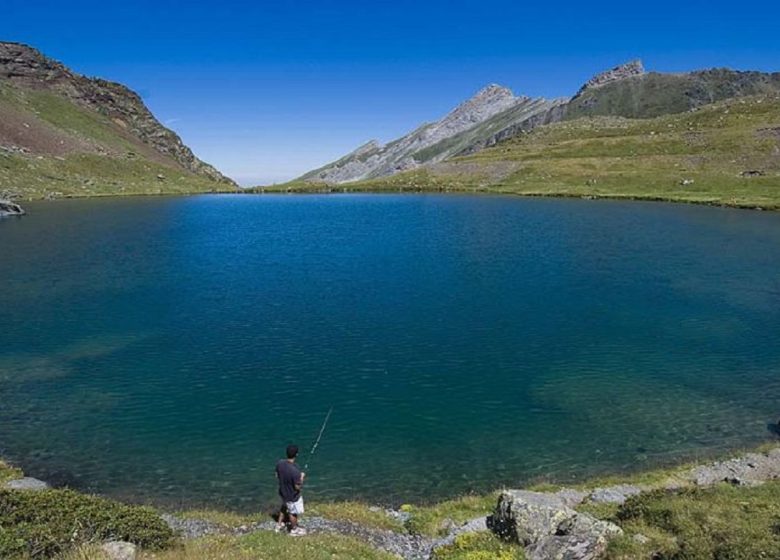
x=548 y=528
x=628 y=70
x=581 y=538
x=193 y=528
x=120 y=550
x=640 y=538
x=8 y=208
x=750 y=469
x=526 y=517
x=571 y=497
x=614 y=494
x=26 y=483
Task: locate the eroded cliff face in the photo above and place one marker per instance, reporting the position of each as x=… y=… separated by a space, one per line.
x=26 y=67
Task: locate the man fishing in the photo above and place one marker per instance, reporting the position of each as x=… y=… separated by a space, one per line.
x=290 y=480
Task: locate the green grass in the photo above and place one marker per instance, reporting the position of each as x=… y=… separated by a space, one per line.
x=657 y=94
x=101 y=157
x=7 y=472
x=720 y=523
x=81 y=175
x=695 y=157
x=435 y=520
x=479 y=546
x=269 y=546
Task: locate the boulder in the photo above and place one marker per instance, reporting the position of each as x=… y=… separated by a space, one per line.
x=548 y=528
x=119 y=550
x=614 y=494
x=8 y=208
x=26 y=483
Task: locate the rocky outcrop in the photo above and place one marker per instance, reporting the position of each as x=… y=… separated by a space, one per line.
x=8 y=208
x=491 y=110
x=627 y=70
x=27 y=483
x=750 y=469
x=27 y=67
x=548 y=528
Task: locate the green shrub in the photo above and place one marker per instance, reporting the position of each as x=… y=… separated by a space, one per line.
x=42 y=524
x=721 y=523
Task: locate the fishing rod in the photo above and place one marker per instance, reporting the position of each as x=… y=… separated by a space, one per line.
x=317 y=441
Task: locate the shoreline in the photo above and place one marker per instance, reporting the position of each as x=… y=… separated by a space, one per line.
x=497 y=192
x=491 y=523
x=336 y=191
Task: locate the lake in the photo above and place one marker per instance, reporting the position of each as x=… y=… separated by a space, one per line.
x=168 y=349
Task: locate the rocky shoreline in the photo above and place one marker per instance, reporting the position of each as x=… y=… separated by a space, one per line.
x=546 y=524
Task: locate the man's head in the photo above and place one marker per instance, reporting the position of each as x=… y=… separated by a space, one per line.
x=292 y=451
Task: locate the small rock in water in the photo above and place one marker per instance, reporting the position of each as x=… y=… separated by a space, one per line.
x=8 y=208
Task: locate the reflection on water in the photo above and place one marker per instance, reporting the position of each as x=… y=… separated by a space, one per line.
x=168 y=349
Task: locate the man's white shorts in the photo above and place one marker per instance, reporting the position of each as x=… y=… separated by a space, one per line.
x=295 y=508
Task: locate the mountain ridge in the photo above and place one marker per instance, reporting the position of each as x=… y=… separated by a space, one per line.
x=51 y=114
x=626 y=90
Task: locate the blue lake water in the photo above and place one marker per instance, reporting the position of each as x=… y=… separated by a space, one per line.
x=167 y=349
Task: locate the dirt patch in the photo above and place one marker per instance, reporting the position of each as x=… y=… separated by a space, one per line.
x=25 y=130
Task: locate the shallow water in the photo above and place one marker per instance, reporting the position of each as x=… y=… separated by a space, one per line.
x=167 y=349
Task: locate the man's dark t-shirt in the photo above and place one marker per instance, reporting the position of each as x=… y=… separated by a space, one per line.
x=289 y=476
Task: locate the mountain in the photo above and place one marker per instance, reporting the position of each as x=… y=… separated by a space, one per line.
x=495 y=115
x=629 y=91
x=64 y=134
x=475 y=121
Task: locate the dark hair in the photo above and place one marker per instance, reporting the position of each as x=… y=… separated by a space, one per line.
x=292 y=451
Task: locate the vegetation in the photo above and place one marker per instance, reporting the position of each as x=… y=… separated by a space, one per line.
x=655 y=94
x=269 y=546
x=356 y=512
x=721 y=523
x=479 y=546
x=437 y=519
x=7 y=472
x=726 y=153
x=44 y=523
x=79 y=152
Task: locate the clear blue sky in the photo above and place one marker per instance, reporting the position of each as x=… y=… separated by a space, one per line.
x=268 y=90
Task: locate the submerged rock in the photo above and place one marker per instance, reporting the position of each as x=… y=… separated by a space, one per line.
x=548 y=528
x=26 y=483
x=8 y=208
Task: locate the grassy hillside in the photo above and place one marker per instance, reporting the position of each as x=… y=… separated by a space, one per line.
x=52 y=147
x=726 y=153
x=655 y=94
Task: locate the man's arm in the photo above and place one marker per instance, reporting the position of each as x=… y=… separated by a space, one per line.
x=299 y=482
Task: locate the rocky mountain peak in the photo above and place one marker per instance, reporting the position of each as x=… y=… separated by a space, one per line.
x=27 y=67
x=627 y=70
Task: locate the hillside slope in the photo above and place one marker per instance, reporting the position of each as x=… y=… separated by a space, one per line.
x=62 y=134
x=642 y=95
x=474 y=121
x=626 y=90
x=727 y=153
